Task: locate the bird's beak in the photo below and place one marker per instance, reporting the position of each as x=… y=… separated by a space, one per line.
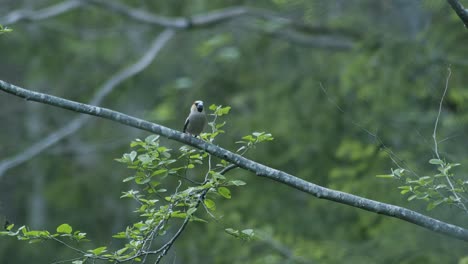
x=200 y=107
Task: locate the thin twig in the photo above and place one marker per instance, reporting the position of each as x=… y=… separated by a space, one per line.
x=67 y=245
x=434 y=134
x=400 y=163
x=436 y=143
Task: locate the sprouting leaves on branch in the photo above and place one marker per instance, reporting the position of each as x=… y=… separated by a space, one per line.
x=161 y=206
x=4 y=29
x=440 y=188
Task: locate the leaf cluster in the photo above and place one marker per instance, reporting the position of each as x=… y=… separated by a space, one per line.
x=442 y=188
x=153 y=166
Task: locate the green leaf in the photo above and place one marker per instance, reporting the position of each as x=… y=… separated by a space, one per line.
x=178 y=214
x=265 y=137
x=398 y=172
x=5 y=29
x=404 y=191
x=218 y=126
x=385 y=176
x=141 y=180
x=237 y=182
x=249 y=232
x=132 y=155
x=224 y=110
x=32 y=241
x=128 y=179
x=98 y=251
x=213 y=107
x=64 y=229
x=121 y=251
x=151 y=138
x=145 y=158
x=225 y=192
x=249 y=138
x=120 y=235
x=232 y=232
x=431 y=206
x=9 y=227
x=210 y=204
x=436 y=162
x=79 y=235
x=196 y=156
x=160 y=171
x=192 y=210
x=241 y=148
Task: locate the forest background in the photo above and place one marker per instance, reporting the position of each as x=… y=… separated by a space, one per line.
x=349 y=89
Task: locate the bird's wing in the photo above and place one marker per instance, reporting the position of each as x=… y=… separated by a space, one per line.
x=186 y=124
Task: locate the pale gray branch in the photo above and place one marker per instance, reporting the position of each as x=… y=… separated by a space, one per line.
x=143 y=16
x=242 y=162
x=102 y=92
x=290 y=29
x=48 y=12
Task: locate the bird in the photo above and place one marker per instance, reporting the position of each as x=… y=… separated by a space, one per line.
x=196 y=119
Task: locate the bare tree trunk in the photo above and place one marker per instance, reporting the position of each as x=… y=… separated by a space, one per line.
x=37 y=203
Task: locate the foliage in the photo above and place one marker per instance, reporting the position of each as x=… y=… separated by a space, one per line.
x=5 y=29
x=441 y=188
x=389 y=83
x=153 y=163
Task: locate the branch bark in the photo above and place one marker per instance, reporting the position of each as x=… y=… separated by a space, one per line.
x=102 y=92
x=291 y=30
x=48 y=12
x=255 y=167
x=460 y=10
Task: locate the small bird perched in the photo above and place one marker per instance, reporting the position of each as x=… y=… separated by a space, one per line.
x=196 y=120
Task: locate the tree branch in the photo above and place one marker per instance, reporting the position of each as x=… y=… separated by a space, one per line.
x=102 y=92
x=51 y=11
x=257 y=168
x=460 y=10
x=143 y=16
x=290 y=29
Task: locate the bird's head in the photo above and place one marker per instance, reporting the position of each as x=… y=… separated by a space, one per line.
x=197 y=106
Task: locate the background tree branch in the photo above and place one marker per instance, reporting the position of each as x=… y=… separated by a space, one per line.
x=101 y=93
x=255 y=167
x=45 y=13
x=210 y=18
x=290 y=29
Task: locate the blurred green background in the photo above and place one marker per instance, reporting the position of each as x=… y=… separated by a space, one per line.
x=383 y=65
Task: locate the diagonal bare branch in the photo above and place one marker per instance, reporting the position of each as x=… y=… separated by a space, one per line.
x=461 y=11
x=48 y=12
x=255 y=167
x=102 y=92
